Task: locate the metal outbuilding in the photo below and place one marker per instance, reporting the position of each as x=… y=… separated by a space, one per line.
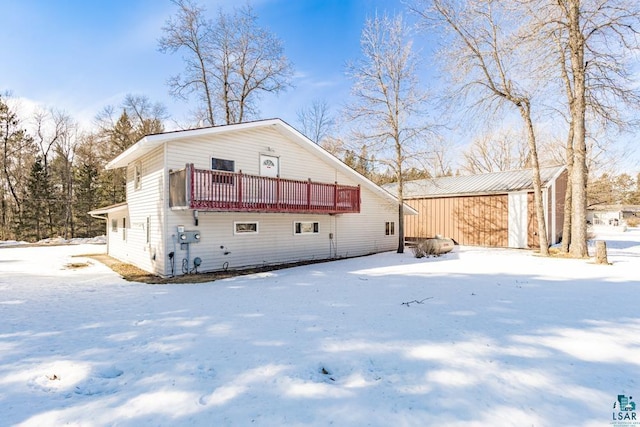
x=491 y=209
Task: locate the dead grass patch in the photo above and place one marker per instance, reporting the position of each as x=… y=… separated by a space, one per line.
x=135 y=274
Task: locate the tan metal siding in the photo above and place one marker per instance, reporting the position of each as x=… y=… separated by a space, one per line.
x=470 y=220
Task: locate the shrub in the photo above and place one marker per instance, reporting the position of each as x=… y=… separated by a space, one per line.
x=634 y=221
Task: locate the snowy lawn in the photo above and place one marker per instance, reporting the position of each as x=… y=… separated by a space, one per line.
x=485 y=337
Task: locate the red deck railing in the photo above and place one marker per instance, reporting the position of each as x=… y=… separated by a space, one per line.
x=209 y=190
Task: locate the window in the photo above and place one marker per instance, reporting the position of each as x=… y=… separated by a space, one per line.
x=389 y=228
x=137 y=176
x=304 y=227
x=148 y=230
x=245 y=227
x=124 y=228
x=114 y=225
x=223 y=166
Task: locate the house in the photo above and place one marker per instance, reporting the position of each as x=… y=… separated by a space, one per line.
x=614 y=215
x=492 y=209
x=239 y=196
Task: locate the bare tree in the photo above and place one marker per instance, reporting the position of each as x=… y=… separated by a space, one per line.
x=55 y=134
x=316 y=121
x=595 y=39
x=388 y=99
x=258 y=63
x=189 y=30
x=483 y=50
x=496 y=151
x=63 y=172
x=229 y=62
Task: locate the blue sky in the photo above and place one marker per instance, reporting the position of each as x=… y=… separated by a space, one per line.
x=79 y=56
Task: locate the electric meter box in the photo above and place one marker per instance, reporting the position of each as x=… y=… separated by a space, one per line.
x=189 y=237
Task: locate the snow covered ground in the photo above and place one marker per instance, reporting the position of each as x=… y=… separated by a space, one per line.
x=479 y=337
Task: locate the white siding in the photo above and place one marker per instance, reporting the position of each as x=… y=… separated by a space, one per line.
x=219 y=248
x=118 y=238
x=518 y=226
x=147 y=201
x=244 y=148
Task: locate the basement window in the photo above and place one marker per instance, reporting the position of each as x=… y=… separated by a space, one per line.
x=306 y=227
x=245 y=227
x=389 y=228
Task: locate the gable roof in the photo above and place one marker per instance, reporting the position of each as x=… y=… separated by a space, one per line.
x=487 y=183
x=151 y=142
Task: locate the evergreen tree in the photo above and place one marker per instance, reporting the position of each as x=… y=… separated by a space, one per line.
x=34 y=225
x=16 y=154
x=86 y=198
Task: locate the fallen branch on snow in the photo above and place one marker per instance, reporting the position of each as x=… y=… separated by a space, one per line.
x=416 y=301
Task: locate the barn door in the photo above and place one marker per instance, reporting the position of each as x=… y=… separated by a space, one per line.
x=518 y=220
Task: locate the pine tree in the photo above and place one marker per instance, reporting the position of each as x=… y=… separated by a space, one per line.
x=86 y=198
x=34 y=225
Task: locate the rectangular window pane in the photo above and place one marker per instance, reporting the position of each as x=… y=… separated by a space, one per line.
x=389 y=228
x=137 y=176
x=303 y=227
x=114 y=225
x=222 y=165
x=245 y=227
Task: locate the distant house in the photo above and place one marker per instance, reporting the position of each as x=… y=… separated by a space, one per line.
x=613 y=215
x=492 y=209
x=242 y=195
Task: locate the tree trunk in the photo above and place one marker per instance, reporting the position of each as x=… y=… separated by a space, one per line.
x=601 y=252
x=525 y=111
x=568 y=197
x=578 y=247
x=400 y=200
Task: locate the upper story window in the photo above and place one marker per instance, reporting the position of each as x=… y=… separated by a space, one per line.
x=222 y=165
x=137 y=175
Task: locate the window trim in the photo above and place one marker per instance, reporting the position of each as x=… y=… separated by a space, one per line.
x=298 y=230
x=245 y=232
x=390 y=228
x=223 y=165
x=137 y=176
